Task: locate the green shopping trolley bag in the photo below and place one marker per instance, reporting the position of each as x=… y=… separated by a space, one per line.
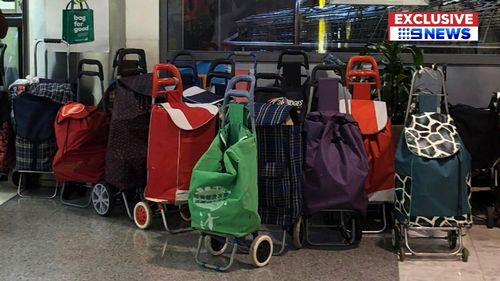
x=223 y=194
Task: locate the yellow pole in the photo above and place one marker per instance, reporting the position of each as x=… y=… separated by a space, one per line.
x=321 y=31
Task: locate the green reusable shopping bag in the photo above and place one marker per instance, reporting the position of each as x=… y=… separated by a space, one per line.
x=78 y=24
x=223 y=194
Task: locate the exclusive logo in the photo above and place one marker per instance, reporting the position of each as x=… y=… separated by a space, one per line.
x=433 y=26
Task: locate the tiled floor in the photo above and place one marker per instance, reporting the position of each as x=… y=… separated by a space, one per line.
x=42 y=240
x=483 y=264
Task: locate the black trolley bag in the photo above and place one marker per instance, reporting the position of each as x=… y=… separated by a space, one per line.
x=129 y=97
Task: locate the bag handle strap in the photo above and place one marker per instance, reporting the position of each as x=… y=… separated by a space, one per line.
x=72 y=3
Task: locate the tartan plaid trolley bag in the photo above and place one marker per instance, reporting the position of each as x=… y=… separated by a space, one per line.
x=223 y=194
x=432 y=171
x=280 y=160
x=35 y=108
x=376 y=129
x=179 y=133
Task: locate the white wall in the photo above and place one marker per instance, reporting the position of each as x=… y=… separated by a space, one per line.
x=143 y=28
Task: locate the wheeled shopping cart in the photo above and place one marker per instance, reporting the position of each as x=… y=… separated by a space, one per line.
x=179 y=134
x=35 y=106
x=126 y=152
x=432 y=171
x=81 y=133
x=479 y=129
x=334 y=171
x=362 y=78
x=280 y=161
x=223 y=194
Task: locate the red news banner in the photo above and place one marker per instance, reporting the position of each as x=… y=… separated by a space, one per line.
x=433 y=26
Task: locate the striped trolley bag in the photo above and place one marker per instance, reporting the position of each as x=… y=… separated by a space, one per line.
x=376 y=129
x=179 y=134
x=432 y=170
x=280 y=160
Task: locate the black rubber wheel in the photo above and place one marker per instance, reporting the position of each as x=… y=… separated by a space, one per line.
x=452 y=238
x=103 y=199
x=465 y=255
x=216 y=245
x=490 y=217
x=298 y=233
x=401 y=254
x=396 y=239
x=15 y=178
x=352 y=231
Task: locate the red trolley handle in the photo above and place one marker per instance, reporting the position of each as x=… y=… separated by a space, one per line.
x=373 y=73
x=170 y=81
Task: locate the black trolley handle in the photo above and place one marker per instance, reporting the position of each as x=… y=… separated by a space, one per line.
x=90 y=73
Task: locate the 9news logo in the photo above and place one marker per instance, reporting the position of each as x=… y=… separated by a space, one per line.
x=433 y=26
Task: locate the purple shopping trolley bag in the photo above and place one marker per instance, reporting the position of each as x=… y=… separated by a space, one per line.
x=335 y=160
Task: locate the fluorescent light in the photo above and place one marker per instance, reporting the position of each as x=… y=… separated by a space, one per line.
x=381 y=2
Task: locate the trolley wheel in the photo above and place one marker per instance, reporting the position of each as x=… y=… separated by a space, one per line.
x=103 y=199
x=143 y=215
x=465 y=255
x=490 y=217
x=261 y=250
x=215 y=245
x=396 y=239
x=452 y=238
x=15 y=178
x=298 y=233
x=352 y=231
x=401 y=254
x=184 y=212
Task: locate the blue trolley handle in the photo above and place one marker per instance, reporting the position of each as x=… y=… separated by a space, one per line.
x=231 y=92
x=250 y=55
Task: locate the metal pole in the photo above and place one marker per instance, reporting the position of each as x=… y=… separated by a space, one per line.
x=296 y=23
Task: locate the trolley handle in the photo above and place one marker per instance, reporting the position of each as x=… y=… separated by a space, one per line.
x=115 y=58
x=291 y=52
x=443 y=66
x=373 y=73
x=99 y=73
x=165 y=82
x=184 y=59
x=278 y=79
x=249 y=95
x=51 y=41
x=250 y=55
x=326 y=67
x=217 y=62
x=141 y=63
x=182 y=53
